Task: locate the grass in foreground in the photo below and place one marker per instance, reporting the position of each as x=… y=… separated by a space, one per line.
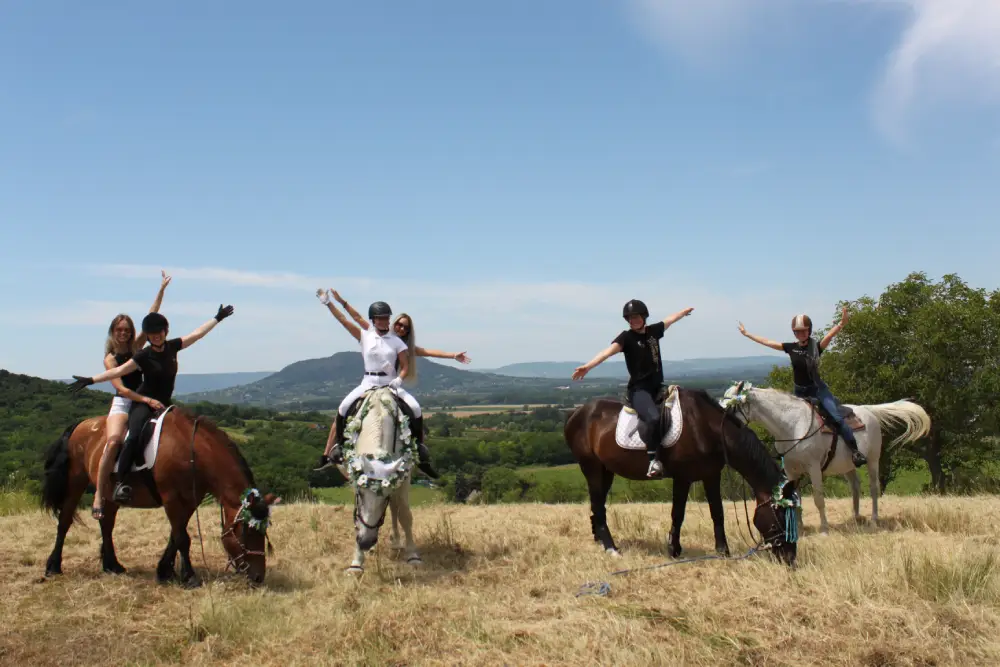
x=499 y=586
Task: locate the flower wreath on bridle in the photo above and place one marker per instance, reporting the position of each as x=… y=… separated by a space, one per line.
x=357 y=464
x=245 y=516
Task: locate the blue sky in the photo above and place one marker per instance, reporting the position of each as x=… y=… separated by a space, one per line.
x=509 y=173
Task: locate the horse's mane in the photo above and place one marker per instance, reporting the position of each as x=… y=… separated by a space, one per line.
x=744 y=450
x=207 y=425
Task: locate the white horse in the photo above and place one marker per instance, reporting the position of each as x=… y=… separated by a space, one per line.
x=805 y=446
x=378 y=459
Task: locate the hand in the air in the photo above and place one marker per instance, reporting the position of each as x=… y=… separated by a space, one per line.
x=743 y=329
x=165 y=280
x=223 y=313
x=843 y=316
x=461 y=356
x=80 y=383
x=580 y=372
x=686 y=312
x=336 y=296
x=323 y=296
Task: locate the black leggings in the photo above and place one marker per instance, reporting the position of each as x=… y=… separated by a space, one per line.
x=138 y=414
x=649 y=419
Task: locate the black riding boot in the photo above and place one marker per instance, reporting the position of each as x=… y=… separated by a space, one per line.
x=423 y=454
x=337 y=451
x=856 y=456
x=123 y=492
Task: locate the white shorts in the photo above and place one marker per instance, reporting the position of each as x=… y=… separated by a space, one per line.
x=120 y=405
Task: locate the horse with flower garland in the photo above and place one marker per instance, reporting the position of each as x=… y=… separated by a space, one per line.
x=378 y=460
x=194 y=458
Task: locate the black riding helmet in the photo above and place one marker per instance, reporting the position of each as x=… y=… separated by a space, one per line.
x=154 y=323
x=379 y=309
x=635 y=307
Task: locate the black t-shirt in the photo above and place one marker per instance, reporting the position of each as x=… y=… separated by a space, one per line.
x=159 y=369
x=642 y=357
x=805 y=362
x=132 y=380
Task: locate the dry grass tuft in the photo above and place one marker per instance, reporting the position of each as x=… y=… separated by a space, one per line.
x=499 y=586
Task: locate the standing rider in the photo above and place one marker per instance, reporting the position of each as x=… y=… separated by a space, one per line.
x=641 y=345
x=805 y=353
x=387 y=363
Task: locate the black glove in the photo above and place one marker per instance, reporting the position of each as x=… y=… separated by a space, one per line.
x=223 y=313
x=80 y=383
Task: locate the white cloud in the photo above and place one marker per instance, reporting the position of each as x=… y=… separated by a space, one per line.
x=947 y=53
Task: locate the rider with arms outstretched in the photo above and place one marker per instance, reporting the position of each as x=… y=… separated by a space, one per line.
x=387 y=363
x=805 y=353
x=158 y=363
x=641 y=345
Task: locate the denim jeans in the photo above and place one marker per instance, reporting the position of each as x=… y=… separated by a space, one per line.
x=831 y=405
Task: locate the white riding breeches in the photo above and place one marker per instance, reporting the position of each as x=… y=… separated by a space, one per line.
x=120 y=405
x=371 y=382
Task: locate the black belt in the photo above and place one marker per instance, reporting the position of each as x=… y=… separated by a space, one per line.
x=380 y=373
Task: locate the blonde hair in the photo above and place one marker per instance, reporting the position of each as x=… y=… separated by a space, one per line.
x=110 y=346
x=411 y=345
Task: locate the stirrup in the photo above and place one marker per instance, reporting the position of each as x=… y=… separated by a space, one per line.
x=324 y=463
x=655 y=469
x=123 y=493
x=858 y=459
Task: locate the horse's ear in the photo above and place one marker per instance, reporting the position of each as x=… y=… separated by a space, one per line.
x=739 y=387
x=271 y=499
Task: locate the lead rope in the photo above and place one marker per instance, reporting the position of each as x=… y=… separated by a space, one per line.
x=197 y=515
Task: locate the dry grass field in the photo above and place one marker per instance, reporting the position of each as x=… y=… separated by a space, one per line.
x=499 y=586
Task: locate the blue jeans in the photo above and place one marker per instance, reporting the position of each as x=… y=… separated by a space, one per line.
x=831 y=405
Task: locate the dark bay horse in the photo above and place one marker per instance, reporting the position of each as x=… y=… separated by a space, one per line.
x=194 y=458
x=710 y=439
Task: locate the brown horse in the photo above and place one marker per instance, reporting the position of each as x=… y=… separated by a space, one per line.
x=194 y=458
x=710 y=439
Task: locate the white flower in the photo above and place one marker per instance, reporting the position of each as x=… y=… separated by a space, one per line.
x=357 y=465
x=363 y=480
x=386 y=483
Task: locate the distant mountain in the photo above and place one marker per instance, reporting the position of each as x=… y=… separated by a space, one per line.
x=320 y=384
x=189 y=383
x=734 y=366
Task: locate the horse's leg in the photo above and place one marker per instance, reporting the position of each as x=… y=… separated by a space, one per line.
x=873 y=484
x=713 y=494
x=401 y=501
x=395 y=543
x=75 y=488
x=679 y=504
x=599 y=481
x=165 y=568
x=855 y=482
x=109 y=561
x=179 y=515
x=816 y=475
x=358 y=562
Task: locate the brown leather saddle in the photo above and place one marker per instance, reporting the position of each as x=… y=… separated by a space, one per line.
x=846 y=413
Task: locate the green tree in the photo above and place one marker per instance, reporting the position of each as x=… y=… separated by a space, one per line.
x=937 y=344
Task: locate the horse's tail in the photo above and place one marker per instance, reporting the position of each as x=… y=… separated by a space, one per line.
x=56 y=482
x=914 y=418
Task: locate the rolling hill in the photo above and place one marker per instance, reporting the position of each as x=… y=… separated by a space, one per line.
x=191 y=383
x=735 y=366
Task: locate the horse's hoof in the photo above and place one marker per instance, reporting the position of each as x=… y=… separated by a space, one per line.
x=50 y=572
x=165 y=578
x=414 y=561
x=614 y=553
x=192 y=582
x=354 y=570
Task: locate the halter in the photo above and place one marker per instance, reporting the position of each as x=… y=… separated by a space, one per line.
x=357 y=515
x=239 y=562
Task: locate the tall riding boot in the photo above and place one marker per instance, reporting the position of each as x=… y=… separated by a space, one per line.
x=123 y=492
x=337 y=451
x=423 y=454
x=856 y=456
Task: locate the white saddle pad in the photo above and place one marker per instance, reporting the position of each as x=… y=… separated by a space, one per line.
x=627 y=432
x=149 y=454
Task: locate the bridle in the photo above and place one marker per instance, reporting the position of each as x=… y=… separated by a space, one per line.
x=239 y=562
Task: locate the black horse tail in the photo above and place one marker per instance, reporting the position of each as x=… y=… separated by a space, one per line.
x=56 y=482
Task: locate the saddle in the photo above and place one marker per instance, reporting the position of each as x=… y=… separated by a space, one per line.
x=627 y=430
x=846 y=413
x=149 y=442
x=356 y=405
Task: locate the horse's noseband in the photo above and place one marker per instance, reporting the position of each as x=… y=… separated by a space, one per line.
x=239 y=562
x=357 y=515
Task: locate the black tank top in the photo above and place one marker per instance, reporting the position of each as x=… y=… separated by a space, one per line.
x=132 y=380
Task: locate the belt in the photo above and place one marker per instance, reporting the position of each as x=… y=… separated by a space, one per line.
x=379 y=373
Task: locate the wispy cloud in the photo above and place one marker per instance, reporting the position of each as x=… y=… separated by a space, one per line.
x=948 y=51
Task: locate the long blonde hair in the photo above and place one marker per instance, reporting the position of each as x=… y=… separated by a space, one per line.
x=110 y=347
x=411 y=345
